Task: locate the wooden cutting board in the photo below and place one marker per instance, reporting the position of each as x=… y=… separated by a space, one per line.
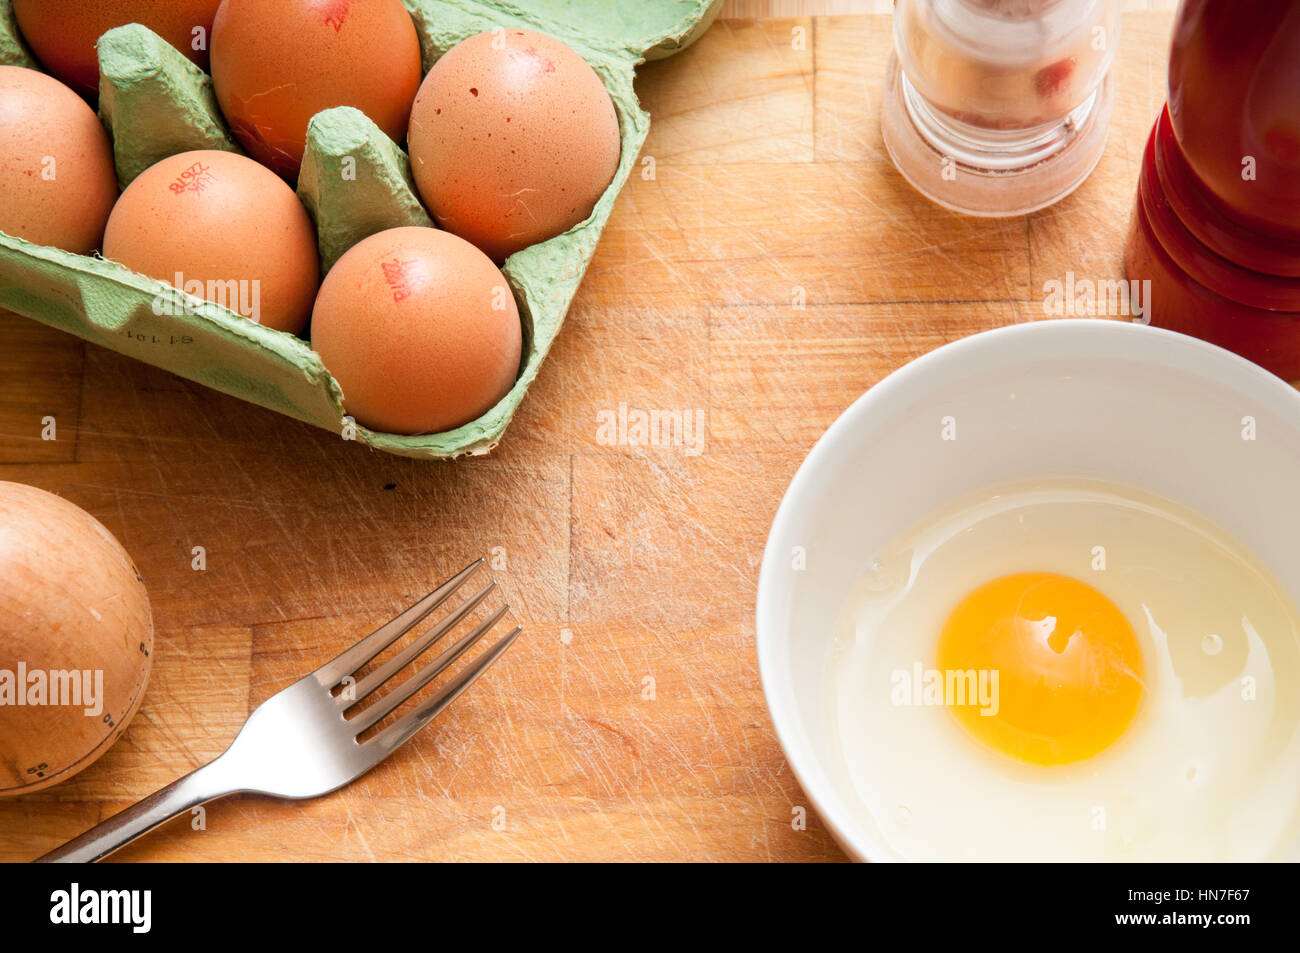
x=628 y=722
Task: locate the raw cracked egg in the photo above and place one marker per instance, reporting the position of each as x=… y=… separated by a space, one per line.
x=57 y=183
x=513 y=140
x=419 y=329
x=276 y=63
x=223 y=228
x=63 y=33
x=1070 y=670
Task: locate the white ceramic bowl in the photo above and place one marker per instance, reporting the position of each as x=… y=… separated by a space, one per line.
x=1086 y=398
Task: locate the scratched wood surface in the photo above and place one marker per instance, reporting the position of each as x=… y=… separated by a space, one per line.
x=628 y=722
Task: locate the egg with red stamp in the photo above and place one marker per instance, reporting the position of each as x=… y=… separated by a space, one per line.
x=513 y=140
x=222 y=228
x=420 y=329
x=276 y=63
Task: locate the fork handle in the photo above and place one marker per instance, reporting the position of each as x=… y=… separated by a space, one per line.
x=206 y=783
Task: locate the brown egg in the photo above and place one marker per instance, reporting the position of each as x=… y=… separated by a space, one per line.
x=76 y=639
x=223 y=228
x=57 y=183
x=420 y=330
x=276 y=63
x=63 y=33
x=513 y=139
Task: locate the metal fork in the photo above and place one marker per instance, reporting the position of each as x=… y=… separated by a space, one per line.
x=298 y=743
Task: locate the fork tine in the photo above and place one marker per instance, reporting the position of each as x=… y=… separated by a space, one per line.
x=367 y=685
x=421 y=678
x=395 y=735
x=332 y=672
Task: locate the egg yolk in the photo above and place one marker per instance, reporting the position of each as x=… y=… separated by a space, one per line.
x=1069 y=668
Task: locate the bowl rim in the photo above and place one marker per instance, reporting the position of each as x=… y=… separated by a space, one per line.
x=1135 y=340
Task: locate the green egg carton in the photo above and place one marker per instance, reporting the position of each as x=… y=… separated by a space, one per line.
x=156 y=103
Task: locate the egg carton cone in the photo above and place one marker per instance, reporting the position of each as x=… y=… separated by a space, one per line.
x=156 y=103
